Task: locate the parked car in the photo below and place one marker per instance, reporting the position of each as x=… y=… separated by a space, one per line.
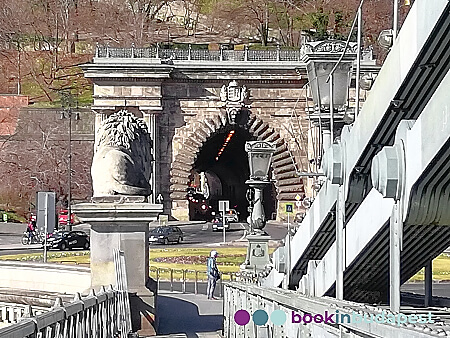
x=217 y=224
x=68 y=240
x=166 y=234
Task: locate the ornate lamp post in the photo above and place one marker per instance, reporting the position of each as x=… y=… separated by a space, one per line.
x=259 y=157
x=329 y=77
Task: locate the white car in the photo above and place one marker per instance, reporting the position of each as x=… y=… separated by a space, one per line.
x=231 y=216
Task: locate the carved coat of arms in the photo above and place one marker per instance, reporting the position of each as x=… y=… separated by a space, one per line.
x=235 y=98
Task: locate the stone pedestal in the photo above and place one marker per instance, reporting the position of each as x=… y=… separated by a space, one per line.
x=122 y=225
x=257 y=253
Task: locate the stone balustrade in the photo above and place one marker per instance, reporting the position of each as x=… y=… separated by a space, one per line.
x=97 y=315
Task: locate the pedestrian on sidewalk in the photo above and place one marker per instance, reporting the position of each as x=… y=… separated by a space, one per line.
x=213 y=274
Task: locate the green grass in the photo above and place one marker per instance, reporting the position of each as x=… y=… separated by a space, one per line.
x=68 y=257
x=194 y=259
x=228 y=261
x=441 y=269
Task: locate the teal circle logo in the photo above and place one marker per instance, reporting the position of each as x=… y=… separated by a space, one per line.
x=278 y=317
x=260 y=317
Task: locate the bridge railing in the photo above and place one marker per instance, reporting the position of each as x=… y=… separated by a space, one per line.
x=96 y=315
x=189 y=54
x=253 y=311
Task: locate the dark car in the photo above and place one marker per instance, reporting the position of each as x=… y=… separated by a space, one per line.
x=67 y=240
x=217 y=223
x=166 y=234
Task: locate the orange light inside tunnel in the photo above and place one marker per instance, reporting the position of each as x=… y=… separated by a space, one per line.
x=224 y=145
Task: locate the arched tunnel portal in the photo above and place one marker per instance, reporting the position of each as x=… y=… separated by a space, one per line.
x=204 y=154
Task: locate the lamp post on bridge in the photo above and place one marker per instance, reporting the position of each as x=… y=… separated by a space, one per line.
x=259 y=157
x=329 y=78
x=329 y=68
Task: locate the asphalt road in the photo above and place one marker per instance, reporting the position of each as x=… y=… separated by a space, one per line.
x=441 y=289
x=195 y=234
x=199 y=234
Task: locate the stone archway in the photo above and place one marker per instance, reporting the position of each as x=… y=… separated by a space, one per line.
x=194 y=135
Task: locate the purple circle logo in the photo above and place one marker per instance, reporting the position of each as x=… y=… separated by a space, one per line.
x=241 y=317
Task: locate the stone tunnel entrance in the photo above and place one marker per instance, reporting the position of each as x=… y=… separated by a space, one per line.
x=219 y=173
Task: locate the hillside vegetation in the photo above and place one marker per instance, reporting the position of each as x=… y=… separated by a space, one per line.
x=42 y=42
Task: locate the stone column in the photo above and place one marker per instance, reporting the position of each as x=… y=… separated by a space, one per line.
x=100 y=115
x=151 y=119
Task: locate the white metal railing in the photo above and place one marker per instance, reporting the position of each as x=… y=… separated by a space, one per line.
x=95 y=315
x=322 y=317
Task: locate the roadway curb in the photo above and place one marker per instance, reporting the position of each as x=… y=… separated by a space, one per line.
x=20 y=247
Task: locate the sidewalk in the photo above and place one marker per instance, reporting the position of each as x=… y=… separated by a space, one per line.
x=19 y=246
x=188 y=315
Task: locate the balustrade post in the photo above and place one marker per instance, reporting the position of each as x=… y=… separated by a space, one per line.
x=196 y=282
x=171 y=280
x=107 y=50
x=221 y=53
x=97 y=51
x=246 y=53
x=157 y=50
x=184 y=280
x=189 y=52
x=157 y=277
x=278 y=52
x=132 y=50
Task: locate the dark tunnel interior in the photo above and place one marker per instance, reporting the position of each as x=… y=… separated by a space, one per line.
x=228 y=162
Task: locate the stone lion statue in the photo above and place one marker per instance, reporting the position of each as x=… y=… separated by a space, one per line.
x=122 y=159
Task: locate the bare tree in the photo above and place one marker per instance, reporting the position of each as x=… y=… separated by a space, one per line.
x=36 y=158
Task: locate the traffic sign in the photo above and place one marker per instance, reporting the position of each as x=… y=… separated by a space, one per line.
x=224 y=206
x=298 y=197
x=289 y=208
x=5 y=217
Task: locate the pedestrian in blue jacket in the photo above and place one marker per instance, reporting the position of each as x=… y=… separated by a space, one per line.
x=213 y=274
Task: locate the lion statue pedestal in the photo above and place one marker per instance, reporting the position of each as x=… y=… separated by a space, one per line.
x=119 y=214
x=123 y=226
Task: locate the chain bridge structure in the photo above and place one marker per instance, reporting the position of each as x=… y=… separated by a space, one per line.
x=381 y=214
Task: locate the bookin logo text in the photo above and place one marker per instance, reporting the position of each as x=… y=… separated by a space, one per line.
x=279 y=317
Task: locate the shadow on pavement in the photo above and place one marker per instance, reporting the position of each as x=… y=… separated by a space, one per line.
x=180 y=316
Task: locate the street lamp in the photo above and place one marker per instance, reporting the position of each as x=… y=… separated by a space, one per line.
x=329 y=77
x=259 y=157
x=68 y=114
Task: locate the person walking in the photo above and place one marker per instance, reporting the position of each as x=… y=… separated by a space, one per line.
x=213 y=274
